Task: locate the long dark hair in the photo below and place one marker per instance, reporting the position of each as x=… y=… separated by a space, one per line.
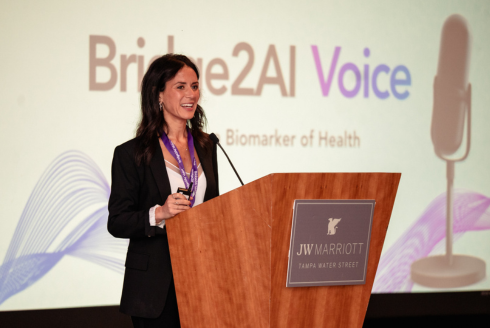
x=152 y=119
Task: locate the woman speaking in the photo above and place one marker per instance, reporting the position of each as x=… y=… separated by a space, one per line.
x=170 y=151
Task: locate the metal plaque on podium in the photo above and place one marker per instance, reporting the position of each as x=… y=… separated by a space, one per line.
x=329 y=242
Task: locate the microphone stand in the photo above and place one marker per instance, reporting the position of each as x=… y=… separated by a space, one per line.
x=215 y=139
x=450 y=181
x=230 y=163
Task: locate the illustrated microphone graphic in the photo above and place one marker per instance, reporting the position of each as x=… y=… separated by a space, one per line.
x=452 y=93
x=215 y=139
x=452 y=102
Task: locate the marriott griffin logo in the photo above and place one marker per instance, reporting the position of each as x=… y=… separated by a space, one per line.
x=332 y=226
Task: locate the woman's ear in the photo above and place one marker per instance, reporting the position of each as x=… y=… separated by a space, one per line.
x=160 y=100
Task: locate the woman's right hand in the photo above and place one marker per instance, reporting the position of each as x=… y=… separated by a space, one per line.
x=175 y=204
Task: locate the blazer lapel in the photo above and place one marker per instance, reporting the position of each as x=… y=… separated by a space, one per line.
x=157 y=165
x=207 y=167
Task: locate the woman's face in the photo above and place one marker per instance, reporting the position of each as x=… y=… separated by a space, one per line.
x=181 y=95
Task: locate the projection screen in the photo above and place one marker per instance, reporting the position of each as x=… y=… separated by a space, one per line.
x=288 y=86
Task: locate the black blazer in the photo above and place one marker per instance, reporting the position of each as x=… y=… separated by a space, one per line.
x=135 y=189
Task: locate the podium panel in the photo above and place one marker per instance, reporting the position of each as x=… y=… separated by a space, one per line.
x=230 y=254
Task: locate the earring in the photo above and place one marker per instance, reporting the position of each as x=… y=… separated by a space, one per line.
x=161 y=106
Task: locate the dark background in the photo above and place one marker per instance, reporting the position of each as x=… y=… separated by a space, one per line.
x=462 y=309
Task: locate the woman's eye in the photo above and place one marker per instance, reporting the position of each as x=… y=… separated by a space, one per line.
x=195 y=87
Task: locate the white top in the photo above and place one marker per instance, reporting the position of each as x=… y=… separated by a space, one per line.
x=176 y=181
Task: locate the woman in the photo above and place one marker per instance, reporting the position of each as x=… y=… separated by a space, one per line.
x=146 y=172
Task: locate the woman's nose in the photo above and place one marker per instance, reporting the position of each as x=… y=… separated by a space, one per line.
x=192 y=93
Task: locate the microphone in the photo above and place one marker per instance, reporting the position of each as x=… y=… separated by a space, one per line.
x=450 y=87
x=215 y=139
x=452 y=102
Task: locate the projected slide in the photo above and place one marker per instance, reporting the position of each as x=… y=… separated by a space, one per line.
x=316 y=86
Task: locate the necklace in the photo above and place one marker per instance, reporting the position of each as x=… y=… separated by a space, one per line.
x=174 y=144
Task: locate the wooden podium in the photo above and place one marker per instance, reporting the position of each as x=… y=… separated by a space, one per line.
x=230 y=254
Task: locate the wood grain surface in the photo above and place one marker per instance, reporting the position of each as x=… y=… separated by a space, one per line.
x=230 y=255
x=333 y=306
x=220 y=253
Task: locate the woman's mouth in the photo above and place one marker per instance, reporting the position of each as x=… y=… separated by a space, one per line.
x=187 y=106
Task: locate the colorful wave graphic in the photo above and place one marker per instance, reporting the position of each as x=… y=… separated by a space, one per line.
x=470 y=214
x=66 y=214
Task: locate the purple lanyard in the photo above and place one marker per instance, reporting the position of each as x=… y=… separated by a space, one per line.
x=175 y=153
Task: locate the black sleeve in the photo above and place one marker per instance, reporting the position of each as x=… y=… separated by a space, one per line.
x=126 y=218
